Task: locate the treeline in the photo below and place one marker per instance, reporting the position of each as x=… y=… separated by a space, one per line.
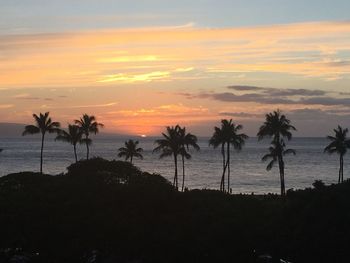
x=176 y=142
x=104 y=211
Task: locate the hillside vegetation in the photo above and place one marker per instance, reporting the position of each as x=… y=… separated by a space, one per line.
x=109 y=211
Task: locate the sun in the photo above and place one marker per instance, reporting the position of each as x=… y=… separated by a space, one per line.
x=143 y=135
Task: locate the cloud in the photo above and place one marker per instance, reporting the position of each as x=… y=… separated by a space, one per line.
x=25 y=96
x=261 y=95
x=279 y=92
x=81 y=106
x=314 y=50
x=243 y=115
x=246 y=88
x=327 y=101
x=147 y=77
x=6 y=106
x=319 y=115
x=295 y=92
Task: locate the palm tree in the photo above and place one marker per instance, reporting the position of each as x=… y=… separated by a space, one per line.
x=227 y=135
x=43 y=124
x=88 y=124
x=277 y=127
x=276 y=150
x=237 y=140
x=130 y=150
x=187 y=140
x=170 y=145
x=216 y=140
x=73 y=136
x=339 y=144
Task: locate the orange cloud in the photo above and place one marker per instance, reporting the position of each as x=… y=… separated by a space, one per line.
x=143 y=55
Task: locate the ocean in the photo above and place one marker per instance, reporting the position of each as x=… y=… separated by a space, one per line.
x=203 y=171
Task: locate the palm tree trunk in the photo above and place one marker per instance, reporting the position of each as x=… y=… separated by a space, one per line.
x=87 y=147
x=183 y=173
x=131 y=159
x=339 y=172
x=222 y=184
x=175 y=184
x=75 y=152
x=281 y=168
x=341 y=168
x=41 y=152
x=228 y=167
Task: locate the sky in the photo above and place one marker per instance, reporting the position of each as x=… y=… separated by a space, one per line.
x=139 y=66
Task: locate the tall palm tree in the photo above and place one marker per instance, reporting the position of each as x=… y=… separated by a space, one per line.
x=216 y=140
x=277 y=127
x=187 y=140
x=276 y=150
x=228 y=135
x=237 y=140
x=170 y=145
x=339 y=144
x=73 y=136
x=88 y=124
x=43 y=125
x=130 y=150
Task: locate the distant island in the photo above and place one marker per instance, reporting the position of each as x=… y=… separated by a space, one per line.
x=110 y=211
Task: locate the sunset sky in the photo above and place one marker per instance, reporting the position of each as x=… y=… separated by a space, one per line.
x=141 y=65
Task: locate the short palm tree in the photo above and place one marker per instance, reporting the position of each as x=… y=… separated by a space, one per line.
x=43 y=125
x=277 y=127
x=228 y=135
x=72 y=136
x=88 y=124
x=276 y=150
x=187 y=140
x=130 y=150
x=170 y=145
x=339 y=144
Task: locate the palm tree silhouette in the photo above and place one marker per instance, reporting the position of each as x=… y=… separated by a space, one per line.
x=275 y=150
x=187 y=140
x=227 y=135
x=43 y=125
x=130 y=150
x=170 y=145
x=73 y=136
x=88 y=124
x=278 y=127
x=216 y=140
x=339 y=144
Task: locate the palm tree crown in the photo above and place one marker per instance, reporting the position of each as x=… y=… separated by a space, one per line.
x=73 y=136
x=276 y=125
x=227 y=135
x=339 y=144
x=130 y=150
x=187 y=141
x=170 y=145
x=275 y=150
x=43 y=125
x=88 y=124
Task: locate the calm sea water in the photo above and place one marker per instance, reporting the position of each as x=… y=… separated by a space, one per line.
x=203 y=170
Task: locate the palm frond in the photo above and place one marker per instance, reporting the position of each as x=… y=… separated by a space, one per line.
x=289 y=151
x=270 y=165
x=30 y=129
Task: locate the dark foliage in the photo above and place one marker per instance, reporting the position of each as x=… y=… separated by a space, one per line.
x=111 y=211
